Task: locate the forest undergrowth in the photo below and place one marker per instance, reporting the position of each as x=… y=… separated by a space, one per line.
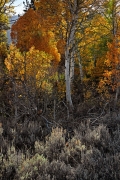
x=84 y=147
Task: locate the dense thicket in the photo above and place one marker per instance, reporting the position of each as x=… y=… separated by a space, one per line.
x=59 y=90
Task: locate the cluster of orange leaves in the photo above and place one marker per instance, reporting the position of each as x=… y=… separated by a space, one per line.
x=112 y=71
x=29 y=31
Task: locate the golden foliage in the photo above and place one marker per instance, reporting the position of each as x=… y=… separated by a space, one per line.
x=3 y=49
x=32 y=66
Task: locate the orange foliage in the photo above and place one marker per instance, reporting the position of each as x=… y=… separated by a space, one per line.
x=61 y=46
x=29 y=31
x=50 y=11
x=112 y=73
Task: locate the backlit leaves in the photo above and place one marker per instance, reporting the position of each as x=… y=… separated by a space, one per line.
x=31 y=66
x=29 y=31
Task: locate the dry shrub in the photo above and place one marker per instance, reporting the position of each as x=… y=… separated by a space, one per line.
x=72 y=151
x=55 y=143
x=8 y=164
x=96 y=167
x=115 y=145
x=91 y=154
x=56 y=147
x=87 y=155
x=59 y=170
x=33 y=168
x=99 y=137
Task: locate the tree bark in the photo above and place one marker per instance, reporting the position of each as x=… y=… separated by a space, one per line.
x=69 y=53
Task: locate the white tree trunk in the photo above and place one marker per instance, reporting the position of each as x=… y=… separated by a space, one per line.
x=69 y=53
x=69 y=66
x=72 y=67
x=67 y=78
